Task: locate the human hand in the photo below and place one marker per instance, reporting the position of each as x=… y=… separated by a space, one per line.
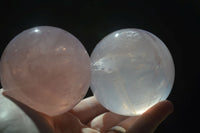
x=90 y=117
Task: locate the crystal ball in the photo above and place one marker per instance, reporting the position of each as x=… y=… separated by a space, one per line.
x=132 y=70
x=46 y=68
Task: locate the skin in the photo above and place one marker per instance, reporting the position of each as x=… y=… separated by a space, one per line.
x=89 y=116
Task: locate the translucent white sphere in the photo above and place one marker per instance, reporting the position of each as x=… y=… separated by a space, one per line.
x=132 y=70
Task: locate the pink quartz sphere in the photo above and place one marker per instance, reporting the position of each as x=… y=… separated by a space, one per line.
x=47 y=69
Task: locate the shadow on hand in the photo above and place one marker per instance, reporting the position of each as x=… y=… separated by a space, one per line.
x=39 y=120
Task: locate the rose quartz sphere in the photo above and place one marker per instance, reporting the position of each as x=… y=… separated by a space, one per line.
x=46 y=68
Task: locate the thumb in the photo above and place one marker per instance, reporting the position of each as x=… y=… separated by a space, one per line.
x=149 y=121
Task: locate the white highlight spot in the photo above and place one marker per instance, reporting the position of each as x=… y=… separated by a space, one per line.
x=116 y=35
x=36 y=30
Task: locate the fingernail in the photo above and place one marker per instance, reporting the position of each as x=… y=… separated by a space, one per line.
x=116 y=129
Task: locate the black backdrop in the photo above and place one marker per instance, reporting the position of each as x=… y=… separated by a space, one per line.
x=176 y=22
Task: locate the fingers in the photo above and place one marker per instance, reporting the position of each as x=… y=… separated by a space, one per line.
x=149 y=120
x=89 y=130
x=67 y=123
x=106 y=121
x=123 y=126
x=87 y=109
x=126 y=124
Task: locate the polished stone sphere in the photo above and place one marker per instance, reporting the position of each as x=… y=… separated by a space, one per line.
x=132 y=70
x=46 y=68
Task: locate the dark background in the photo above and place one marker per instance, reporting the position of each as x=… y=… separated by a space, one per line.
x=176 y=22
